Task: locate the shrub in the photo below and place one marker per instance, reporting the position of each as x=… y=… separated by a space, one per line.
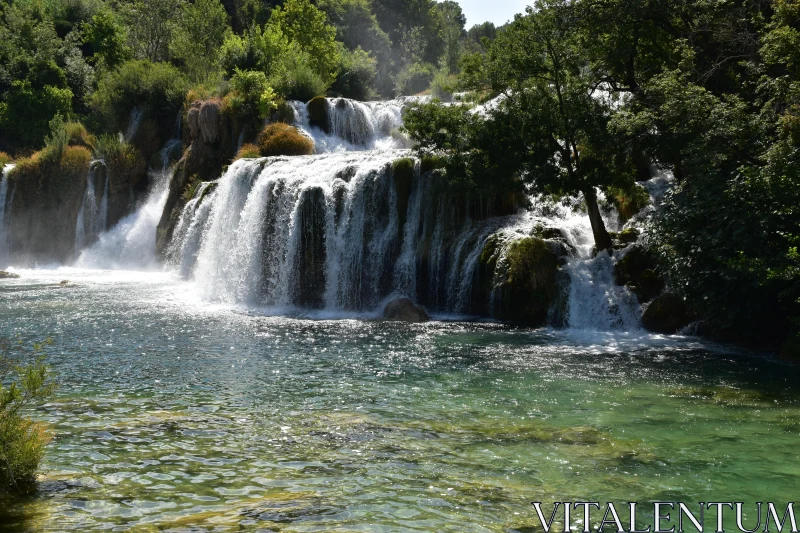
x=251 y=96
x=156 y=88
x=296 y=78
x=4 y=159
x=629 y=202
x=415 y=78
x=281 y=139
x=77 y=135
x=356 y=75
x=248 y=151
x=27 y=111
x=444 y=85
x=124 y=162
x=22 y=441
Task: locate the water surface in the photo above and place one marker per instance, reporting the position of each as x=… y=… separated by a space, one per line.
x=176 y=415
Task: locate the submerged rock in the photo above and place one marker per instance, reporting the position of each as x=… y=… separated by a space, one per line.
x=404 y=310
x=667 y=314
x=8 y=275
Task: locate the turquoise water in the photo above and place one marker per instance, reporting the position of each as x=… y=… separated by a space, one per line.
x=176 y=415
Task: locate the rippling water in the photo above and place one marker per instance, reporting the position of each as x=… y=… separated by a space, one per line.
x=174 y=415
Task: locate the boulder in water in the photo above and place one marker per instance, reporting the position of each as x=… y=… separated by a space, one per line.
x=404 y=310
x=667 y=314
x=526 y=283
x=8 y=275
x=637 y=271
x=318 y=114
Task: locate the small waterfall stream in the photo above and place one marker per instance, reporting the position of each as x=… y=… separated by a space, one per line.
x=5 y=236
x=93 y=215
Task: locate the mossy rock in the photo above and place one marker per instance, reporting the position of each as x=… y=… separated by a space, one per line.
x=318 y=114
x=430 y=163
x=279 y=139
x=284 y=113
x=8 y=275
x=637 y=271
x=629 y=236
x=404 y=310
x=528 y=285
x=668 y=314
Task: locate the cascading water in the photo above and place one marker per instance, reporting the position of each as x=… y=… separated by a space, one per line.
x=131 y=243
x=93 y=215
x=354 y=125
x=5 y=236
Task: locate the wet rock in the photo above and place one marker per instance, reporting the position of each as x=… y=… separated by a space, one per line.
x=526 y=284
x=667 y=314
x=8 y=275
x=629 y=236
x=404 y=310
x=637 y=271
x=209 y=121
x=318 y=114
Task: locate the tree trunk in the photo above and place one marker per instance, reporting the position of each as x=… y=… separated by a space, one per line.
x=602 y=239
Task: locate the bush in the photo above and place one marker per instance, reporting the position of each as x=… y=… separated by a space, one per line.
x=281 y=139
x=414 y=79
x=124 y=162
x=4 y=159
x=22 y=441
x=296 y=78
x=248 y=151
x=251 y=96
x=27 y=111
x=629 y=202
x=77 y=135
x=158 y=89
x=356 y=77
x=444 y=85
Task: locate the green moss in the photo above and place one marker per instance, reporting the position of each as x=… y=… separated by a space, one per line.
x=430 y=163
x=629 y=235
x=528 y=284
x=279 y=139
x=318 y=113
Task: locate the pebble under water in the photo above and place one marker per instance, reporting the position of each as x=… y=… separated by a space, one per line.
x=176 y=415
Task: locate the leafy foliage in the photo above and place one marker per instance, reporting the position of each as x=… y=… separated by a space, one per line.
x=25 y=380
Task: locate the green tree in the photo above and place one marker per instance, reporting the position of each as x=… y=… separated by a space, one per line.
x=106 y=38
x=307 y=26
x=200 y=32
x=453 y=23
x=151 y=24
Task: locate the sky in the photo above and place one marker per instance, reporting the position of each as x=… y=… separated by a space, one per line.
x=497 y=11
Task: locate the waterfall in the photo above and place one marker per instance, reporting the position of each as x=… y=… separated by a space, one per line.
x=93 y=214
x=5 y=234
x=354 y=126
x=131 y=243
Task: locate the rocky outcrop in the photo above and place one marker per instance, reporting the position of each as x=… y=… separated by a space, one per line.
x=637 y=271
x=526 y=282
x=8 y=275
x=212 y=144
x=404 y=310
x=318 y=114
x=48 y=191
x=667 y=314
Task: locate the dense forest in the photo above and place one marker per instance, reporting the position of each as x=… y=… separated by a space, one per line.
x=95 y=60
x=589 y=95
